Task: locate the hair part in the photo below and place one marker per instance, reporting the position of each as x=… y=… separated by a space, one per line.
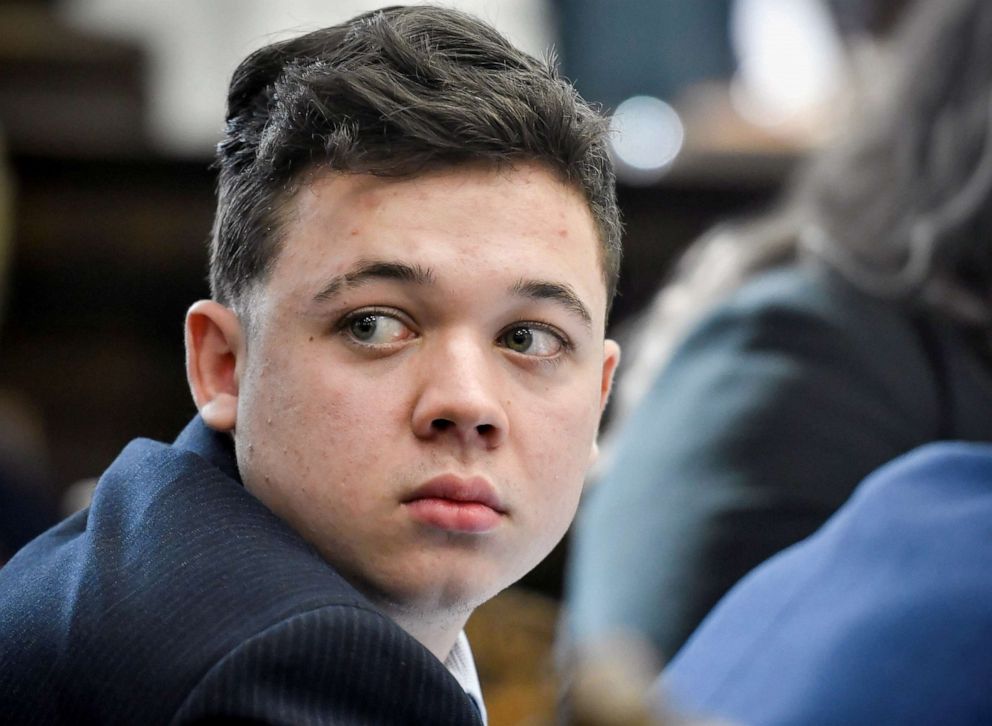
x=395 y=92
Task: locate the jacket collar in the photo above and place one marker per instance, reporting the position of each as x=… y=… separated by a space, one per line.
x=214 y=446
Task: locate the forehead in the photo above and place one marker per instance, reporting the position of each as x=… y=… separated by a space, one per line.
x=467 y=221
x=368 y=198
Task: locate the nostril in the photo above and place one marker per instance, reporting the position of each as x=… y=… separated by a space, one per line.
x=442 y=424
x=484 y=429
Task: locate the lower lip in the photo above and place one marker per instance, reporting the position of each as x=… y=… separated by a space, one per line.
x=447 y=514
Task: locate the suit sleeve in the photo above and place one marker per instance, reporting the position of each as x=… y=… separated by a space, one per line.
x=768 y=415
x=334 y=665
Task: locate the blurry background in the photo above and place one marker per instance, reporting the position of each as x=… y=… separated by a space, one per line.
x=109 y=110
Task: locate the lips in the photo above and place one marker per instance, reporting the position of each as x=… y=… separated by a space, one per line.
x=454 y=504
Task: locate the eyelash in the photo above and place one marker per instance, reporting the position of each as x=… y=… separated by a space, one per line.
x=343 y=325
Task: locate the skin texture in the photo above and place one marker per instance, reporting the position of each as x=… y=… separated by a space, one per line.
x=409 y=330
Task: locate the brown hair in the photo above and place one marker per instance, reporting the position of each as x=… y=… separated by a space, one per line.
x=394 y=92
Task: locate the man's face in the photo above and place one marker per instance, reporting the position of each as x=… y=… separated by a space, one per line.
x=420 y=392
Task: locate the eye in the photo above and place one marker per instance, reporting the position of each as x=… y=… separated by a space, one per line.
x=532 y=340
x=375 y=328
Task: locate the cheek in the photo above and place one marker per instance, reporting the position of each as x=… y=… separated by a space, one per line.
x=313 y=391
x=355 y=406
x=340 y=419
x=311 y=439
x=561 y=439
x=284 y=409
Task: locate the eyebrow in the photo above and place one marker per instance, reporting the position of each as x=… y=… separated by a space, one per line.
x=558 y=292
x=366 y=270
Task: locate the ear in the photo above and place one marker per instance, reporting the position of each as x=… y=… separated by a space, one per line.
x=214 y=344
x=611 y=359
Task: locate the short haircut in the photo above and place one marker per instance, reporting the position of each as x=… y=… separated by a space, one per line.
x=395 y=92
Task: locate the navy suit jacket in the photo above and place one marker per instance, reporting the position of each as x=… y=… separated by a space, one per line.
x=177 y=597
x=884 y=616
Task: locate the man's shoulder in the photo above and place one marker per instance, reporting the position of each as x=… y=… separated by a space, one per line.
x=170 y=518
x=173 y=569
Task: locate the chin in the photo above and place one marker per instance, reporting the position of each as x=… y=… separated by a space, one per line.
x=455 y=590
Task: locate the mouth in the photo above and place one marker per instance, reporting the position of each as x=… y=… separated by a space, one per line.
x=454 y=504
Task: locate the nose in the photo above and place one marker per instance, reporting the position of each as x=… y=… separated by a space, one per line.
x=459 y=396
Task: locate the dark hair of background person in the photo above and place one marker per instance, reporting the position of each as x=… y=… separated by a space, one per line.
x=900 y=204
x=394 y=92
x=875 y=18
x=901 y=209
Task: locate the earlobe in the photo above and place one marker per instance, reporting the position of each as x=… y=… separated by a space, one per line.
x=214 y=344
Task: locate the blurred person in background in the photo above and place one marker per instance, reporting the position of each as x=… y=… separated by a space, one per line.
x=883 y=616
x=795 y=353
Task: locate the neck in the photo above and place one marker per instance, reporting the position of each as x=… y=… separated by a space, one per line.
x=436 y=632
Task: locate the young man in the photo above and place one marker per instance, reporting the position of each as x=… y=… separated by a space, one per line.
x=399 y=381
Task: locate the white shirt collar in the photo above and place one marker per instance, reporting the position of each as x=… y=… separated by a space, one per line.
x=461 y=664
